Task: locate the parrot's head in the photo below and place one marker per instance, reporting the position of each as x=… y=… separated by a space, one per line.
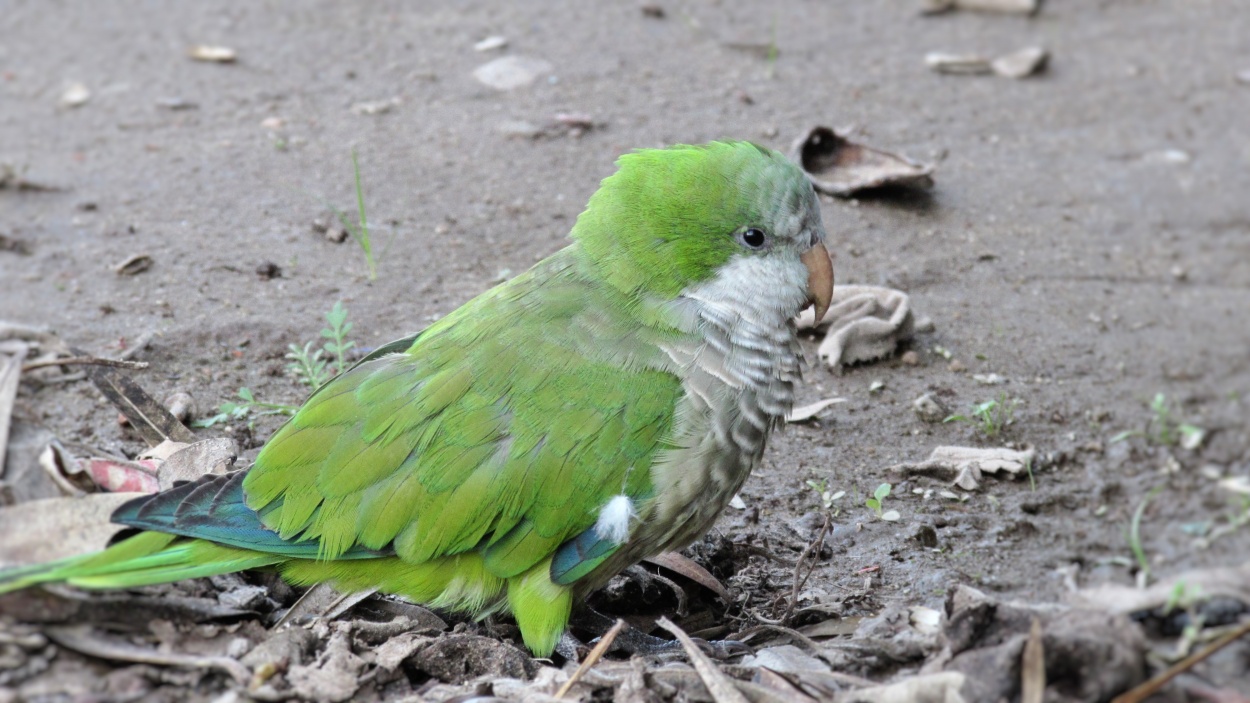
x=721 y=219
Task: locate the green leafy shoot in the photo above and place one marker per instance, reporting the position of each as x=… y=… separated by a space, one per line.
x=828 y=497
x=990 y=417
x=308 y=365
x=246 y=407
x=360 y=229
x=1134 y=538
x=877 y=502
x=337 y=344
x=1164 y=428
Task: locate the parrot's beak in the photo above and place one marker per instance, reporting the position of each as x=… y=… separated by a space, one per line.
x=819 y=278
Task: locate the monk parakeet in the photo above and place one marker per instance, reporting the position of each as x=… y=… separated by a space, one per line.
x=601 y=408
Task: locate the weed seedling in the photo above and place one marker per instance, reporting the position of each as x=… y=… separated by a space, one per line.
x=990 y=417
x=308 y=365
x=1164 y=429
x=246 y=407
x=1134 y=538
x=828 y=498
x=877 y=502
x=337 y=344
x=360 y=229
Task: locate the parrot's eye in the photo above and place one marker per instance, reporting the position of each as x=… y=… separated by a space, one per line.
x=753 y=238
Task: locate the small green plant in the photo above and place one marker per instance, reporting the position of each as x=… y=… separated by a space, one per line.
x=828 y=497
x=246 y=407
x=359 y=230
x=337 y=344
x=1164 y=428
x=313 y=367
x=308 y=365
x=990 y=417
x=1134 y=538
x=877 y=504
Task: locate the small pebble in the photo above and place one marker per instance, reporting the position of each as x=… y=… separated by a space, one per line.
x=910 y=358
x=929 y=409
x=956 y=366
x=653 y=10
x=181 y=405
x=268 y=270
x=336 y=234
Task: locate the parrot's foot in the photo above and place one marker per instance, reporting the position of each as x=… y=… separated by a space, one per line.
x=632 y=641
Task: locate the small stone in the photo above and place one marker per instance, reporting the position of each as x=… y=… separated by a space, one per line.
x=652 y=10
x=491 y=43
x=181 y=405
x=989 y=379
x=876 y=386
x=929 y=409
x=76 y=95
x=910 y=358
x=319 y=225
x=1179 y=272
x=336 y=234
x=268 y=270
x=273 y=123
x=956 y=366
x=511 y=72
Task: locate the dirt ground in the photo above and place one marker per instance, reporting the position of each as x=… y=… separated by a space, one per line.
x=1087 y=239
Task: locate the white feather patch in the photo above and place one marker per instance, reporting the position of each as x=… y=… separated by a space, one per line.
x=614 y=517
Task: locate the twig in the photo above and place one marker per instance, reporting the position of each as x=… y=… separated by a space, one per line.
x=87 y=361
x=797 y=584
x=718 y=684
x=1151 y=687
x=593 y=658
x=1033 y=666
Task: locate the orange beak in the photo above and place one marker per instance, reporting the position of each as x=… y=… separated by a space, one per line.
x=819 y=278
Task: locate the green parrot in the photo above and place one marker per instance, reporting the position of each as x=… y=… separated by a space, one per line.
x=599 y=409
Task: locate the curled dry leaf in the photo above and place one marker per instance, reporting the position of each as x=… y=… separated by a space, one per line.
x=803 y=413
x=838 y=166
x=133 y=265
x=189 y=462
x=958 y=64
x=967 y=464
x=1016 y=7
x=690 y=569
x=212 y=54
x=863 y=323
x=1022 y=63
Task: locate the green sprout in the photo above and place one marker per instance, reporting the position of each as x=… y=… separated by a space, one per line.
x=990 y=417
x=246 y=407
x=1164 y=428
x=877 y=502
x=359 y=230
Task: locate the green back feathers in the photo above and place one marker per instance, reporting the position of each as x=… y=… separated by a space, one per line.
x=666 y=218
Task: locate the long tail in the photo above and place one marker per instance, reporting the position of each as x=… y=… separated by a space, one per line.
x=145 y=559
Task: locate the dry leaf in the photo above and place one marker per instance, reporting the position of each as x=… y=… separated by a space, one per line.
x=691 y=570
x=54 y=528
x=804 y=413
x=212 y=54
x=840 y=167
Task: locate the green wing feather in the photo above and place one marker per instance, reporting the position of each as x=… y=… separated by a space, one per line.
x=503 y=428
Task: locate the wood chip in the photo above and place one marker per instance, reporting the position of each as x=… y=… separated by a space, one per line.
x=1033 y=666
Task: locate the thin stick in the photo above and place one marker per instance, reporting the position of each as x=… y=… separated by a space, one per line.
x=87 y=361
x=718 y=684
x=1148 y=689
x=593 y=658
x=797 y=584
